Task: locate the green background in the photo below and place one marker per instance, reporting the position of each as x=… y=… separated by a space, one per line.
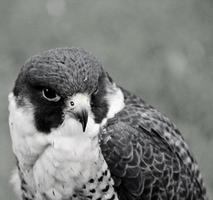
x=159 y=49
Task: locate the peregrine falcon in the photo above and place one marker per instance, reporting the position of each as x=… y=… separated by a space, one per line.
x=77 y=135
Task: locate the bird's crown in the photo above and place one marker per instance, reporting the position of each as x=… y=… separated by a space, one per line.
x=66 y=70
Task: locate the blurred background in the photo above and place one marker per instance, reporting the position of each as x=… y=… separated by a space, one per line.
x=161 y=50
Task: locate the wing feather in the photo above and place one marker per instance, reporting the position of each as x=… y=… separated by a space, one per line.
x=136 y=163
x=140 y=148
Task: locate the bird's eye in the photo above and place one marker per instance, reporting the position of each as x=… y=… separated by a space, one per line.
x=72 y=103
x=50 y=95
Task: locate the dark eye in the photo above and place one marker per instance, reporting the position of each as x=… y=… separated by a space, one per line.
x=72 y=103
x=50 y=95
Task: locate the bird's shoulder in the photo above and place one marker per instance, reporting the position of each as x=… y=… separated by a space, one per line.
x=144 y=151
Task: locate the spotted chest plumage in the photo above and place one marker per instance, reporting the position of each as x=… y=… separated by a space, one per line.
x=99 y=187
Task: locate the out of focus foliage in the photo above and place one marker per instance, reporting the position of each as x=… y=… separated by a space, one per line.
x=161 y=50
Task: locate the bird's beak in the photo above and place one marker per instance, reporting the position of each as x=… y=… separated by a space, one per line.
x=82 y=116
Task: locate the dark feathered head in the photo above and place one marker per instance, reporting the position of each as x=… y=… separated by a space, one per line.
x=61 y=81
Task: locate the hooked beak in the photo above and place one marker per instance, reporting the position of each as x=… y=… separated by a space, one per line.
x=82 y=117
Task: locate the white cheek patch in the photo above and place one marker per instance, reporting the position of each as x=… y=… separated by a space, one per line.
x=115 y=100
x=26 y=142
x=20 y=118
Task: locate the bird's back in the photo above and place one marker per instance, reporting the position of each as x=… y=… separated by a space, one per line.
x=147 y=155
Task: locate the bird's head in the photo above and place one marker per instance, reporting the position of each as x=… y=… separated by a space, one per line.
x=65 y=83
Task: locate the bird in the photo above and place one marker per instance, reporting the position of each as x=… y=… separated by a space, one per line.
x=77 y=135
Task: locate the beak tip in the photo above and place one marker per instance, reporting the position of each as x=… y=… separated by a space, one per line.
x=83 y=117
x=84 y=129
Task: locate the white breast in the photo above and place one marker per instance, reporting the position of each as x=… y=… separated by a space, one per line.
x=47 y=161
x=56 y=163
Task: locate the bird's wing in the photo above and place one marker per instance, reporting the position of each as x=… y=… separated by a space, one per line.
x=144 y=164
x=138 y=162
